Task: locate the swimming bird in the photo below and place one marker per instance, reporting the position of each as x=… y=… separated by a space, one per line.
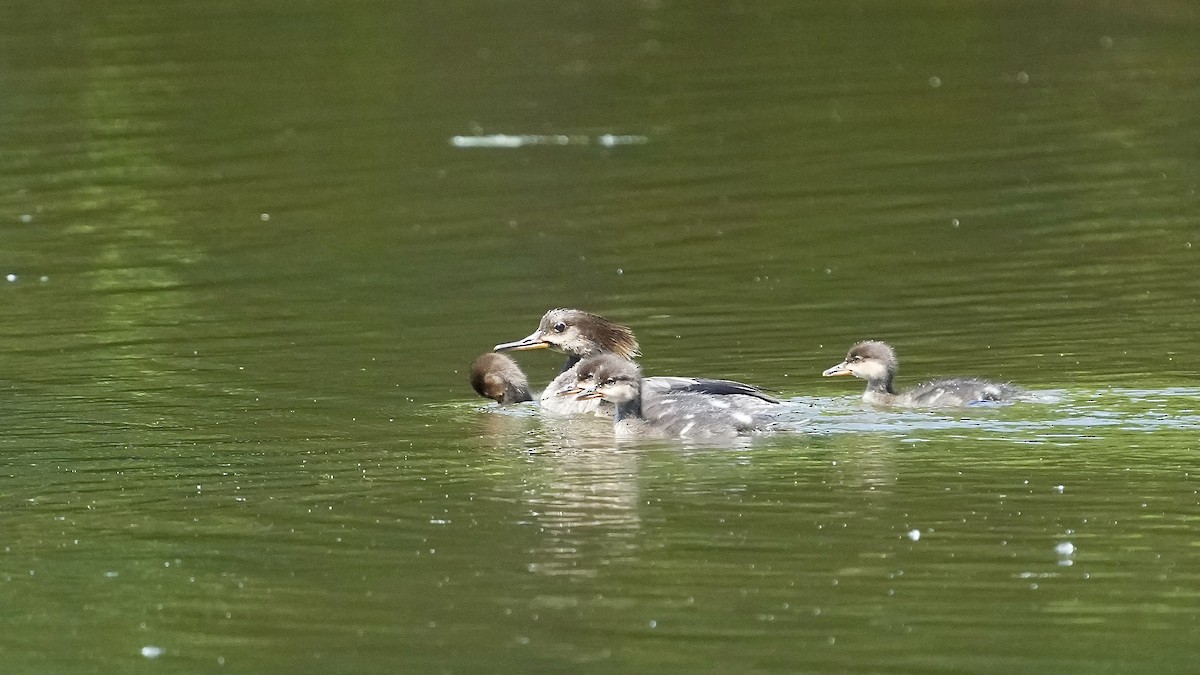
x=580 y=334
x=499 y=378
x=646 y=411
x=876 y=363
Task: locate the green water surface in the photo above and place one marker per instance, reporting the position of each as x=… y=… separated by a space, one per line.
x=243 y=270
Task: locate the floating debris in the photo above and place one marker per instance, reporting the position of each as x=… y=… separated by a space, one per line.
x=523 y=140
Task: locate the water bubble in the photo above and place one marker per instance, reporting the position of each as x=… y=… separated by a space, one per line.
x=1022 y=77
x=935 y=81
x=1066 y=553
x=152 y=652
x=914 y=535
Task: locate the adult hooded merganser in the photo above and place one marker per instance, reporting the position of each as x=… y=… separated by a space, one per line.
x=580 y=334
x=876 y=363
x=499 y=378
x=642 y=411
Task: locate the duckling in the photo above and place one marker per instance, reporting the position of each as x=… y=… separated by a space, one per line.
x=499 y=378
x=579 y=335
x=643 y=411
x=876 y=363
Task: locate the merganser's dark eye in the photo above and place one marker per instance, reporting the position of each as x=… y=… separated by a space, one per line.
x=611 y=380
x=560 y=327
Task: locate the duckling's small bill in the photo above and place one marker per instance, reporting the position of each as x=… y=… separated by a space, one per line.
x=839 y=370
